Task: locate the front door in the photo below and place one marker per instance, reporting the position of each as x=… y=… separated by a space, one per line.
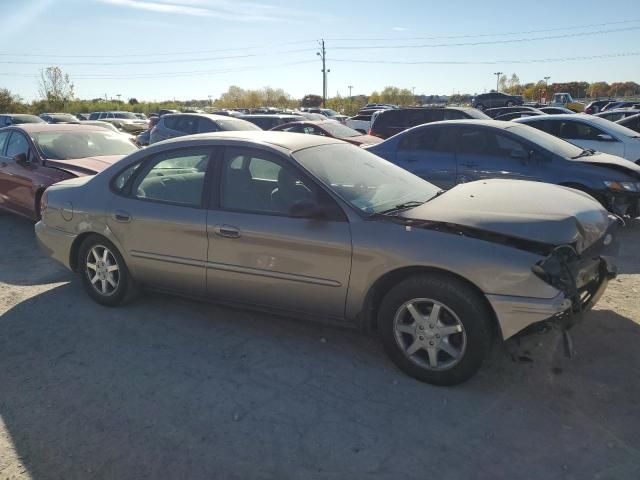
x=16 y=184
x=588 y=136
x=160 y=219
x=259 y=254
x=488 y=153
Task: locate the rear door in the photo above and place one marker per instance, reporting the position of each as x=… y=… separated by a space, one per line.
x=259 y=254
x=489 y=153
x=159 y=218
x=430 y=154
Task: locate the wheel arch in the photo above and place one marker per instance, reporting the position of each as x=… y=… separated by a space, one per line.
x=377 y=291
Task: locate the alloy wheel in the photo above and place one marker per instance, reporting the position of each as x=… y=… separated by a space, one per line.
x=102 y=270
x=430 y=334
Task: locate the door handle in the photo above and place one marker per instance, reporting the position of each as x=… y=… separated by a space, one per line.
x=121 y=216
x=227 y=231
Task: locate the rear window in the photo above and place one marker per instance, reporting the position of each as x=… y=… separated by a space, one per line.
x=236 y=124
x=26 y=119
x=126 y=115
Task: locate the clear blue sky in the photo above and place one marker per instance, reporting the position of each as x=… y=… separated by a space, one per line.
x=183 y=49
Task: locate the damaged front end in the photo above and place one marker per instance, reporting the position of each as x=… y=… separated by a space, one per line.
x=581 y=276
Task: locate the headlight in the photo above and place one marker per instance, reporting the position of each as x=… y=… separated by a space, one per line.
x=623 y=186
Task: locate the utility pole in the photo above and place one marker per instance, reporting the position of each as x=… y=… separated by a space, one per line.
x=323 y=56
x=546 y=81
x=497 y=74
x=350 y=97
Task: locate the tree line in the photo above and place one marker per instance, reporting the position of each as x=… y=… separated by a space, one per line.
x=56 y=93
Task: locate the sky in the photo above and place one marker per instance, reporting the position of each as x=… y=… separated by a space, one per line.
x=186 y=49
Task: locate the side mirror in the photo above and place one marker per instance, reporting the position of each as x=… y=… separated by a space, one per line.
x=306 y=209
x=21 y=159
x=603 y=137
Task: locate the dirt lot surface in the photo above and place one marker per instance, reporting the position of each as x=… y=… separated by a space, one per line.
x=170 y=388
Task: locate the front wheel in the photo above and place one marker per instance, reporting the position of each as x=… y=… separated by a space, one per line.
x=435 y=328
x=104 y=273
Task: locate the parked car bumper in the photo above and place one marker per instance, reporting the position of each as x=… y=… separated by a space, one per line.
x=56 y=243
x=514 y=314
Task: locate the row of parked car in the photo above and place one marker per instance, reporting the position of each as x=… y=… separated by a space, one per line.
x=426 y=230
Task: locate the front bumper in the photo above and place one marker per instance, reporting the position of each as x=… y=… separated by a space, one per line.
x=55 y=243
x=623 y=203
x=514 y=314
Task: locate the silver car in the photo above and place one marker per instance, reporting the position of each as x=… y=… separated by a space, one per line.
x=313 y=227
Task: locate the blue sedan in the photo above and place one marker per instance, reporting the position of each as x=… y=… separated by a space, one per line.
x=452 y=152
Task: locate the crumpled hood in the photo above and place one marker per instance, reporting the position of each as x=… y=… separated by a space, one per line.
x=84 y=166
x=534 y=211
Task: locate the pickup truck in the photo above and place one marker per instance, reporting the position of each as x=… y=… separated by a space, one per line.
x=362 y=122
x=565 y=100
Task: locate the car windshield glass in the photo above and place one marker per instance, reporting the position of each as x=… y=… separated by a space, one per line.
x=330 y=113
x=340 y=131
x=474 y=113
x=26 y=119
x=236 y=125
x=66 y=145
x=546 y=141
x=127 y=115
x=362 y=179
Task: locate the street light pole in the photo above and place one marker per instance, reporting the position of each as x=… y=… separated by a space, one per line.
x=497 y=74
x=546 y=81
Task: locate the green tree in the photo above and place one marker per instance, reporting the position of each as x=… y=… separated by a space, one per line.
x=10 y=102
x=133 y=101
x=55 y=87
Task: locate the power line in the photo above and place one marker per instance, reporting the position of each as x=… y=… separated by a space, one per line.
x=480 y=35
x=338 y=39
x=487 y=42
x=488 y=62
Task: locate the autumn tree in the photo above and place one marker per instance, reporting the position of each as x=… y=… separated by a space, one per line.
x=55 y=87
x=10 y=102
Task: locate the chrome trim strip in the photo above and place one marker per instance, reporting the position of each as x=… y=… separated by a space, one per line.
x=236 y=269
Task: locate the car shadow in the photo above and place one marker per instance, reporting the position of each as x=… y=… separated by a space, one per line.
x=167 y=388
x=22 y=262
x=628 y=259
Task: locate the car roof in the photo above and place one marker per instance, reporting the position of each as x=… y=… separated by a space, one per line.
x=211 y=116
x=271 y=115
x=470 y=121
x=285 y=140
x=58 y=127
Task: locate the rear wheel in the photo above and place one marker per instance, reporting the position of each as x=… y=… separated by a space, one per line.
x=104 y=273
x=435 y=328
x=509 y=104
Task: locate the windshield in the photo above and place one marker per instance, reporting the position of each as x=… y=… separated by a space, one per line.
x=546 y=141
x=66 y=145
x=63 y=117
x=127 y=115
x=367 y=182
x=236 y=124
x=329 y=113
x=340 y=131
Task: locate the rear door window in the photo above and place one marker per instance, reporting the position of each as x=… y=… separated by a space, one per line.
x=429 y=139
x=207 y=125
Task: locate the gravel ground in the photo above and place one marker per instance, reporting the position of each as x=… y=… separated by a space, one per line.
x=171 y=388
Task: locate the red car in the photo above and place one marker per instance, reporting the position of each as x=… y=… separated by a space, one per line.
x=37 y=155
x=329 y=128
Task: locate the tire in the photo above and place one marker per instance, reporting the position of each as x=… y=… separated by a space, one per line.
x=509 y=104
x=463 y=327
x=109 y=288
x=480 y=107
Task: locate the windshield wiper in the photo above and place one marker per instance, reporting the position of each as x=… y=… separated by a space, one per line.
x=403 y=206
x=587 y=152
